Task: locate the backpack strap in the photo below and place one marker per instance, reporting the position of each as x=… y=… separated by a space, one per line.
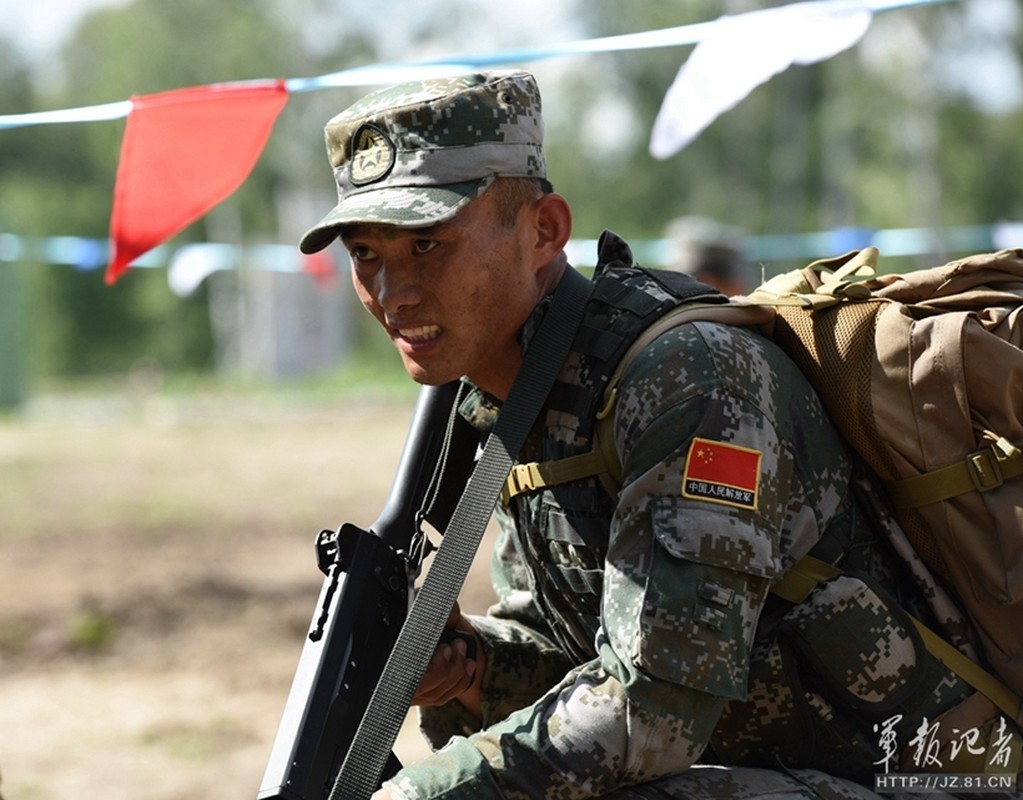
x=603 y=458
x=982 y=471
x=797 y=583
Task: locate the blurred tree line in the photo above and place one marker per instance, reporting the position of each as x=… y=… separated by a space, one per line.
x=881 y=136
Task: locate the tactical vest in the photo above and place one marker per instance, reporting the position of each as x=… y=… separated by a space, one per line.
x=565 y=539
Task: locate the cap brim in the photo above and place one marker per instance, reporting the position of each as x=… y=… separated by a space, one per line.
x=403 y=206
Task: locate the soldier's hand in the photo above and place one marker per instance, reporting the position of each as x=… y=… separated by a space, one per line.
x=452 y=673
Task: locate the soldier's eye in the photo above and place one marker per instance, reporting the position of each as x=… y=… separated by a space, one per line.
x=362 y=253
x=420 y=246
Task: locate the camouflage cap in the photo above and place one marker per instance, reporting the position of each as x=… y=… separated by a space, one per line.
x=417 y=153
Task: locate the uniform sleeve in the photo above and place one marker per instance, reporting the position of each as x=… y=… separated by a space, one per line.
x=582 y=739
x=691 y=554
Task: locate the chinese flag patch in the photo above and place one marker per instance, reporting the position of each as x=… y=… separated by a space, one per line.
x=722 y=473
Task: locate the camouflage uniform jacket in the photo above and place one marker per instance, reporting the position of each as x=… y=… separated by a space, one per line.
x=633 y=631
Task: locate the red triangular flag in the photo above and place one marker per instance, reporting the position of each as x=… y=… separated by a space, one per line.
x=183 y=152
x=321 y=266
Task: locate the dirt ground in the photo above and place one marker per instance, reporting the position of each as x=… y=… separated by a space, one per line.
x=158 y=578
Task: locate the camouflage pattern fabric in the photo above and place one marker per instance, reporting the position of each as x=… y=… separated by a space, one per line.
x=634 y=643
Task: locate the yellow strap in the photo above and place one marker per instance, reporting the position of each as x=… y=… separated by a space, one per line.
x=979 y=678
x=796 y=584
x=981 y=471
x=536 y=475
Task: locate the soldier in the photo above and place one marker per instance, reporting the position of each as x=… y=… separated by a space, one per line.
x=635 y=650
x=711 y=253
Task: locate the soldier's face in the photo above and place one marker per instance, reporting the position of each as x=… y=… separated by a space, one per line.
x=453 y=296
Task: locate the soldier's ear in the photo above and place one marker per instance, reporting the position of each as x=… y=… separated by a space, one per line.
x=553 y=225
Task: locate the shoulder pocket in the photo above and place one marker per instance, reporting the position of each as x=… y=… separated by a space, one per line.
x=715 y=535
x=704 y=590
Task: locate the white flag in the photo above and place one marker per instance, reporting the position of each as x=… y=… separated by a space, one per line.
x=743 y=51
x=194 y=263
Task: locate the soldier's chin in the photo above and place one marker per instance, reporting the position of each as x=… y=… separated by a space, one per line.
x=428 y=381
x=427 y=377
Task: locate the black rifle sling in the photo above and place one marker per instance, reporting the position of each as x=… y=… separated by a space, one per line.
x=371 y=746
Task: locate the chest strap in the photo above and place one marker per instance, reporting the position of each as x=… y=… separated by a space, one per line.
x=536 y=475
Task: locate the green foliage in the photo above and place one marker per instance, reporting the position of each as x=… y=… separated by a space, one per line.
x=152 y=46
x=92 y=630
x=63 y=183
x=84 y=327
x=981 y=185
x=15 y=96
x=837 y=144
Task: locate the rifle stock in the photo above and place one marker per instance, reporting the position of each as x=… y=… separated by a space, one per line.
x=362 y=604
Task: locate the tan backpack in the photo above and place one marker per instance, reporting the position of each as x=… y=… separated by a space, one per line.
x=923 y=374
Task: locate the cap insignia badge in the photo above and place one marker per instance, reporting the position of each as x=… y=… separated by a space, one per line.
x=373 y=155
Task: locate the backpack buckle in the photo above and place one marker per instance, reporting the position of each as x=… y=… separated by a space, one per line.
x=985 y=469
x=522 y=478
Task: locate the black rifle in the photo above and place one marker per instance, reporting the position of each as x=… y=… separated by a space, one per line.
x=364 y=600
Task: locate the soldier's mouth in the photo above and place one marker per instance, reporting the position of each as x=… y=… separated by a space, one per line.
x=423 y=333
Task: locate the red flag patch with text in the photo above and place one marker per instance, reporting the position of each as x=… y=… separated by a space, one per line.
x=722 y=473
